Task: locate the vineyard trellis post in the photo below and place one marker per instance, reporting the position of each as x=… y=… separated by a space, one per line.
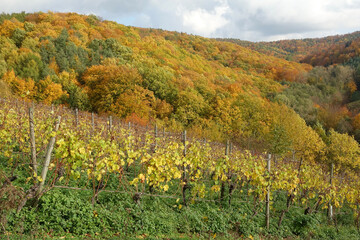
x=231 y=184
x=32 y=140
x=183 y=178
x=92 y=122
x=110 y=123
x=330 y=210
x=222 y=190
x=48 y=156
x=155 y=136
x=267 y=208
x=129 y=146
x=129 y=133
x=76 y=117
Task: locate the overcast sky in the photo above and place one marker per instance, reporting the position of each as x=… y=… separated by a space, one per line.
x=255 y=20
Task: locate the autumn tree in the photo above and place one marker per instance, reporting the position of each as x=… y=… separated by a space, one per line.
x=118 y=90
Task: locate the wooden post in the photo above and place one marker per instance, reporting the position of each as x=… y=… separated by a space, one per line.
x=330 y=210
x=76 y=117
x=184 y=142
x=156 y=131
x=231 y=184
x=155 y=136
x=92 y=122
x=110 y=123
x=267 y=210
x=227 y=148
x=164 y=132
x=48 y=157
x=32 y=140
x=222 y=189
x=129 y=127
x=184 y=180
x=127 y=151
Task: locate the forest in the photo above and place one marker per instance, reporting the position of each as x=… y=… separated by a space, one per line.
x=128 y=127
x=328 y=93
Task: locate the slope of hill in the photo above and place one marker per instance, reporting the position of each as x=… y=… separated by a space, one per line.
x=217 y=90
x=330 y=99
x=141 y=74
x=343 y=52
x=213 y=87
x=302 y=50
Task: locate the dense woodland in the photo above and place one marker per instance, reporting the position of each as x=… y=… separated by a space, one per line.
x=328 y=93
x=183 y=80
x=305 y=113
x=304 y=49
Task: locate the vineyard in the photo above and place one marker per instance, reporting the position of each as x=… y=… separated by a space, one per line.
x=47 y=149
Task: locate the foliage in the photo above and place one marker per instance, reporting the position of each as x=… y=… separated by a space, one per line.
x=216 y=89
x=86 y=63
x=316 y=51
x=105 y=168
x=320 y=97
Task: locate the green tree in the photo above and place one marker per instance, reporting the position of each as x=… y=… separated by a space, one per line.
x=18 y=36
x=29 y=65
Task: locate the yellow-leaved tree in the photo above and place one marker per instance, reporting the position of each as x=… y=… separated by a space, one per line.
x=343 y=150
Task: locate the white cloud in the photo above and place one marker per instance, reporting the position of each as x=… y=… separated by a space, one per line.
x=205 y=22
x=279 y=19
x=249 y=20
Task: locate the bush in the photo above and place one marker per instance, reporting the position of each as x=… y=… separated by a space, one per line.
x=58 y=212
x=302 y=224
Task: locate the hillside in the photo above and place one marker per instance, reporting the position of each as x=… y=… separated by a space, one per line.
x=303 y=50
x=215 y=88
x=141 y=74
x=241 y=132
x=321 y=96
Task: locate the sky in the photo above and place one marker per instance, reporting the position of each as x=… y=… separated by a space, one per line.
x=253 y=20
